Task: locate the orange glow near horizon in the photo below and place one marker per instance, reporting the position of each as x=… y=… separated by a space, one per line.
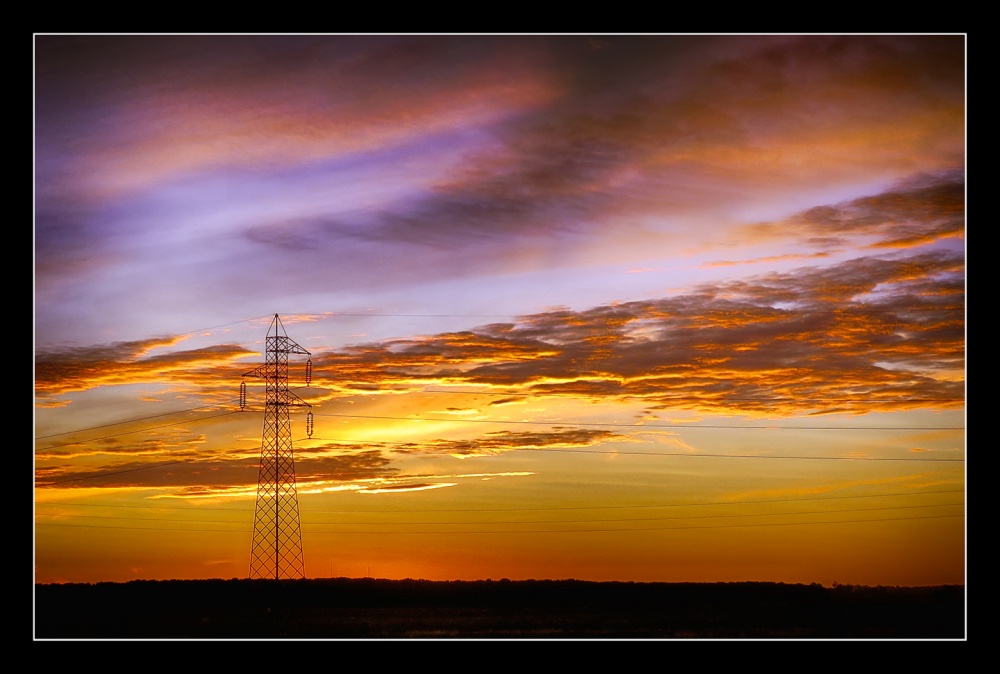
x=677 y=308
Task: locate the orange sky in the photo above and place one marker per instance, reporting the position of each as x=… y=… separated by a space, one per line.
x=651 y=308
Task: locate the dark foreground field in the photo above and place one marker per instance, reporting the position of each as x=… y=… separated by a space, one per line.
x=342 y=608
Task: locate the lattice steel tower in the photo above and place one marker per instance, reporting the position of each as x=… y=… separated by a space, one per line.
x=277 y=538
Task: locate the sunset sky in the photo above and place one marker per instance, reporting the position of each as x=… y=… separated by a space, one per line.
x=612 y=307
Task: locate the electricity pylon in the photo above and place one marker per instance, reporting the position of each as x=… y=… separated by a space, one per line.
x=277 y=540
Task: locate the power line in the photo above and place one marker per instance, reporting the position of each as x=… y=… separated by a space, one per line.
x=557 y=422
x=122 y=423
x=591 y=451
x=545 y=509
x=216 y=327
x=776 y=399
x=704 y=455
x=643 y=529
x=529 y=315
x=635 y=426
x=594 y=451
x=532 y=531
x=140 y=430
x=579 y=521
x=501 y=421
x=736 y=456
x=615 y=312
x=620 y=452
x=224 y=325
x=115 y=472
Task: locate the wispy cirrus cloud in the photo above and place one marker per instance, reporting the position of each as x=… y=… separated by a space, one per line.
x=473 y=157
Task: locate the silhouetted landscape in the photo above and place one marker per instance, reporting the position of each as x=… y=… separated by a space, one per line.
x=367 y=608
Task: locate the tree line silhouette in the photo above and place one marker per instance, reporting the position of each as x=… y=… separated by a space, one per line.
x=367 y=608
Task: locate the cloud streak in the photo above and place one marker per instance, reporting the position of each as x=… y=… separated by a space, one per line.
x=525 y=256
x=62 y=371
x=869 y=334
x=475 y=156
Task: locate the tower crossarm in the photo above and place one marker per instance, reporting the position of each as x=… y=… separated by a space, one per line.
x=295 y=401
x=258 y=372
x=282 y=343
